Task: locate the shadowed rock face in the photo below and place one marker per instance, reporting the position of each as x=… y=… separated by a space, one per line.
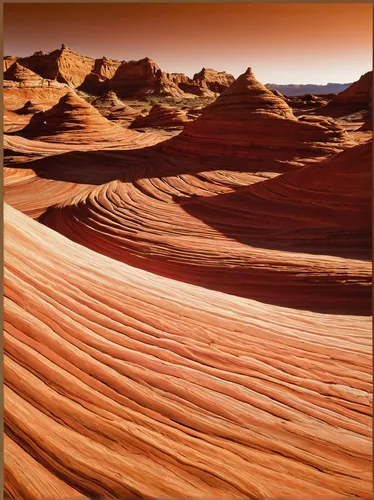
x=355 y=98
x=240 y=243
x=130 y=374
x=22 y=85
x=162 y=116
x=248 y=120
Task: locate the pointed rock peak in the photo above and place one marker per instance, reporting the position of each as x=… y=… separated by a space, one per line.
x=72 y=100
x=18 y=72
x=247 y=83
x=64 y=47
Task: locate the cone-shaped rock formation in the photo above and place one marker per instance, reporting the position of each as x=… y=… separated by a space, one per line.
x=72 y=120
x=249 y=120
x=162 y=116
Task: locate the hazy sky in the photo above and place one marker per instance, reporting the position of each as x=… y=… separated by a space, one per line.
x=282 y=42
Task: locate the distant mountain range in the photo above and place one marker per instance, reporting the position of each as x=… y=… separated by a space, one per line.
x=308 y=88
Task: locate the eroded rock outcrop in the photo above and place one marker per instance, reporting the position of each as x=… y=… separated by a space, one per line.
x=63 y=65
x=162 y=116
x=355 y=98
x=216 y=81
x=141 y=78
x=74 y=121
x=249 y=121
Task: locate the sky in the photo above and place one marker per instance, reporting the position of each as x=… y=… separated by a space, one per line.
x=283 y=43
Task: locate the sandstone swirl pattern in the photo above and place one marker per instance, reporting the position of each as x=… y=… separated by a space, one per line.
x=123 y=379
x=134 y=376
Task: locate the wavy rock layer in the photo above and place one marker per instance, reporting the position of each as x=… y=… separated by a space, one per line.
x=150 y=388
x=249 y=121
x=240 y=243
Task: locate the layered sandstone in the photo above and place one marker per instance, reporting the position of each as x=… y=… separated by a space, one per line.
x=22 y=85
x=63 y=65
x=131 y=375
x=162 y=116
x=242 y=243
x=74 y=121
x=141 y=78
x=249 y=121
x=216 y=81
x=191 y=86
x=355 y=98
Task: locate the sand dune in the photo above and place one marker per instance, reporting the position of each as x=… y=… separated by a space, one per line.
x=134 y=376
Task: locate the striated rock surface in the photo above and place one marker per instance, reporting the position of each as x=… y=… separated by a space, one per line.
x=8 y=61
x=162 y=116
x=22 y=85
x=141 y=78
x=216 y=81
x=73 y=121
x=249 y=121
x=63 y=65
x=307 y=232
x=131 y=375
x=190 y=86
x=355 y=98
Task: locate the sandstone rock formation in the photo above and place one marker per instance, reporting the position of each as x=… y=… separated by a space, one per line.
x=190 y=86
x=355 y=98
x=162 y=116
x=216 y=81
x=240 y=243
x=73 y=121
x=31 y=108
x=22 y=85
x=144 y=77
x=63 y=65
x=97 y=81
x=114 y=109
x=249 y=121
x=130 y=375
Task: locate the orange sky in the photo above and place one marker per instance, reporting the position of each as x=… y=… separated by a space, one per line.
x=282 y=42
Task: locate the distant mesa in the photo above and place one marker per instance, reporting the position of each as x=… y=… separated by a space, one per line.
x=302 y=89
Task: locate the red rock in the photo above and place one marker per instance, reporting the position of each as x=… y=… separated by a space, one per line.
x=75 y=121
x=162 y=116
x=130 y=375
x=190 y=86
x=249 y=121
x=140 y=78
x=216 y=81
x=355 y=98
x=63 y=65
